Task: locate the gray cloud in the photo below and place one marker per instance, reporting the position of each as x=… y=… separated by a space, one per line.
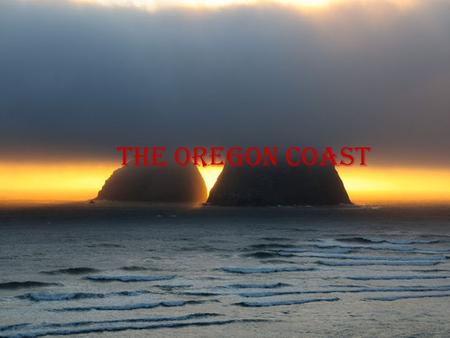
x=83 y=79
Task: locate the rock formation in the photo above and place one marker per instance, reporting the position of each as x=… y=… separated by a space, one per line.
x=280 y=185
x=173 y=184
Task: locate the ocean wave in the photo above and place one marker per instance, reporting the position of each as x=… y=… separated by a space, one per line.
x=49 y=297
x=71 y=271
x=276 y=239
x=265 y=246
x=14 y=327
x=133 y=268
x=286 y=302
x=365 y=240
x=431 y=270
x=418 y=277
x=258 y=286
x=394 y=298
x=169 y=287
x=200 y=293
x=277 y=261
x=232 y=289
x=40 y=327
x=105 y=328
x=262 y=294
x=262 y=254
x=174 y=303
x=129 y=293
x=243 y=270
x=368 y=258
x=128 y=278
x=382 y=247
x=327 y=248
x=414 y=241
x=105 y=245
x=382 y=262
x=25 y=285
x=361 y=240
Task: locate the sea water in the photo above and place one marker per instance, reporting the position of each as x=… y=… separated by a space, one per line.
x=136 y=271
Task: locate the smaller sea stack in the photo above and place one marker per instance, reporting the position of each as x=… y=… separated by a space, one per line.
x=173 y=184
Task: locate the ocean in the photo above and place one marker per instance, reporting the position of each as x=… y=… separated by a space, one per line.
x=106 y=270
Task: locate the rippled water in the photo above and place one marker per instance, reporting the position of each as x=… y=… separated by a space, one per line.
x=99 y=270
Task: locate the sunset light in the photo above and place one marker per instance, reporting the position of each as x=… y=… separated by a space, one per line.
x=52 y=181
x=394 y=185
x=82 y=181
x=210 y=175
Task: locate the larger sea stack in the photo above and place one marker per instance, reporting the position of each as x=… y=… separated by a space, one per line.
x=278 y=185
x=158 y=185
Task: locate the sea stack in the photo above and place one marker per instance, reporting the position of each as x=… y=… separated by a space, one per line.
x=173 y=184
x=278 y=185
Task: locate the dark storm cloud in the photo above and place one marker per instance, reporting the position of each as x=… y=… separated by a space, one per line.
x=82 y=80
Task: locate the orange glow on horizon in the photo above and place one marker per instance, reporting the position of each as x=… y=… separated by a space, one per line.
x=396 y=184
x=52 y=181
x=81 y=182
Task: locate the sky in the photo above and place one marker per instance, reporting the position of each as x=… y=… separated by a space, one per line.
x=79 y=78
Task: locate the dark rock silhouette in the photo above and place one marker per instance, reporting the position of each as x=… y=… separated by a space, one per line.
x=280 y=185
x=172 y=184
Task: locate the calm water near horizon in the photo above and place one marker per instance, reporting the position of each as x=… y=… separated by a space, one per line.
x=136 y=271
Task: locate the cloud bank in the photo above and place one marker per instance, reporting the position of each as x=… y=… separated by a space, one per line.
x=78 y=80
